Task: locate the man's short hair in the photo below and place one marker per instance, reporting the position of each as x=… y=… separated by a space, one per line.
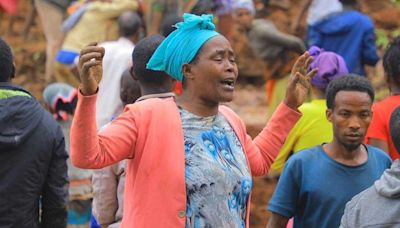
x=394 y=128
x=140 y=57
x=6 y=62
x=129 y=23
x=391 y=61
x=349 y=82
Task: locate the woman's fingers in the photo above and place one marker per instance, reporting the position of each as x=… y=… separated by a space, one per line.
x=90 y=57
x=92 y=47
x=307 y=64
x=312 y=73
x=299 y=63
x=89 y=64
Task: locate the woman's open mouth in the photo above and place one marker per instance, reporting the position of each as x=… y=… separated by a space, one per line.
x=228 y=84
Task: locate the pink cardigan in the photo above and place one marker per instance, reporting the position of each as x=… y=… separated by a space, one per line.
x=149 y=133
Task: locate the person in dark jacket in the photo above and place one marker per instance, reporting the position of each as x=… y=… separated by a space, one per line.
x=350 y=34
x=33 y=167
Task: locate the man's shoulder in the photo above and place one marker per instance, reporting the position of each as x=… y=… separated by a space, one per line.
x=362 y=18
x=117 y=45
x=108 y=44
x=308 y=155
x=154 y=104
x=52 y=126
x=377 y=153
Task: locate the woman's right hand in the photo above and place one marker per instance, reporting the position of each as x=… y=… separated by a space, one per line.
x=90 y=68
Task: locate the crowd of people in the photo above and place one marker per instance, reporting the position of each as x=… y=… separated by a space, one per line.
x=134 y=131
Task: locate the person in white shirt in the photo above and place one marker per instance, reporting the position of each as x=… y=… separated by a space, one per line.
x=117 y=58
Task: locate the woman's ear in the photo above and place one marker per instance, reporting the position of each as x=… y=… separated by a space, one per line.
x=187 y=70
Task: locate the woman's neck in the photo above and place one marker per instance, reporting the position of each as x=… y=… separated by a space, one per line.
x=197 y=106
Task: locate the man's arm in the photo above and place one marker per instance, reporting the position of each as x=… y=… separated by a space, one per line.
x=369 y=51
x=277 y=221
x=55 y=190
x=273 y=35
x=284 y=202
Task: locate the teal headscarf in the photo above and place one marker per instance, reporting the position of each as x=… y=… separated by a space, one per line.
x=182 y=45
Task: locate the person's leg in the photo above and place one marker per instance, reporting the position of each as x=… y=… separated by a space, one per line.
x=29 y=20
x=51 y=19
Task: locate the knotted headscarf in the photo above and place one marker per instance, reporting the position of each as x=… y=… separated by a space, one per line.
x=182 y=45
x=330 y=65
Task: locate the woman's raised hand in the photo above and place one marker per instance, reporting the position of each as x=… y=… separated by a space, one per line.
x=299 y=82
x=90 y=68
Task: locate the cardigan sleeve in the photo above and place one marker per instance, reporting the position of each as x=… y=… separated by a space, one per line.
x=261 y=151
x=93 y=150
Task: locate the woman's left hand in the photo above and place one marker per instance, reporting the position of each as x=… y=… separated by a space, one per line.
x=299 y=82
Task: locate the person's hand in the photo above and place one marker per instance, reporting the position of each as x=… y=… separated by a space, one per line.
x=90 y=68
x=299 y=82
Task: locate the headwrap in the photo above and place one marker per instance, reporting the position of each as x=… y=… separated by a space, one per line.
x=182 y=45
x=330 y=65
x=60 y=97
x=244 y=4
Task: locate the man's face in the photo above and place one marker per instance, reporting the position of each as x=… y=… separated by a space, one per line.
x=350 y=117
x=244 y=18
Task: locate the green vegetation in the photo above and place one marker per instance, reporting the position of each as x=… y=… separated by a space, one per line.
x=383 y=37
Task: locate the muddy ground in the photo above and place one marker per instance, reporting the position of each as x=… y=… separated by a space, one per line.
x=249 y=102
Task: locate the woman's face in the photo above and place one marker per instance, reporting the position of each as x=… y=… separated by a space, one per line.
x=213 y=73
